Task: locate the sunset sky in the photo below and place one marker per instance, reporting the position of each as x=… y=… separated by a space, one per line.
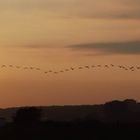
x=60 y=34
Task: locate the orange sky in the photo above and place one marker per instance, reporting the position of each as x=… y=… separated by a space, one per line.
x=46 y=34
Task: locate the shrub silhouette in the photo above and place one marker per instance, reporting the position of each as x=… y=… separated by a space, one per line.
x=28 y=116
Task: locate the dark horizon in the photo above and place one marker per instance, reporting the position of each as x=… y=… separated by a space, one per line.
x=74 y=112
x=70 y=105
x=114 y=119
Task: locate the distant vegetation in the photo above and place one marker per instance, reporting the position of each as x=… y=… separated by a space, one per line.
x=127 y=110
x=114 y=120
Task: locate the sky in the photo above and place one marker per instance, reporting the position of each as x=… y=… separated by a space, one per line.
x=59 y=34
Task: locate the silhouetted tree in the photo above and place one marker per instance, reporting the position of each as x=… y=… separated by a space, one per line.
x=28 y=116
x=115 y=106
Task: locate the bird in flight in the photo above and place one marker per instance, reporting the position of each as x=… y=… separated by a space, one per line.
x=138 y=68
x=80 y=68
x=25 y=68
x=87 y=67
x=55 y=72
x=106 y=66
x=92 y=66
x=72 y=68
x=132 y=67
x=66 y=69
x=11 y=66
x=3 y=66
x=37 y=68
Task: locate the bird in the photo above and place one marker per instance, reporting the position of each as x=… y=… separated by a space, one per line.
x=80 y=68
x=87 y=67
x=98 y=65
x=112 y=65
x=3 y=66
x=55 y=72
x=72 y=68
x=25 y=67
x=61 y=71
x=45 y=72
x=50 y=70
x=10 y=65
x=92 y=66
x=37 y=68
x=66 y=69
x=138 y=68
x=132 y=67
x=106 y=66
x=120 y=66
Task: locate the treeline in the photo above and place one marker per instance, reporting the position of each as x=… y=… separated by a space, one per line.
x=27 y=125
x=112 y=121
x=127 y=110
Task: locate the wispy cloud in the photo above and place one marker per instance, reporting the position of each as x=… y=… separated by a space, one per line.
x=78 y=8
x=116 y=47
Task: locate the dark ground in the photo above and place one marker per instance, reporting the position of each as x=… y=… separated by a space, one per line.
x=116 y=120
x=88 y=130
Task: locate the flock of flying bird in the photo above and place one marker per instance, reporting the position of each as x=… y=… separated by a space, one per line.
x=121 y=67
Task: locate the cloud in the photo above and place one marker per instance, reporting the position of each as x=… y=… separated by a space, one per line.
x=116 y=47
x=78 y=8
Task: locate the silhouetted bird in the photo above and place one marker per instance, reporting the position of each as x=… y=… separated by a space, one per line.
x=93 y=66
x=3 y=66
x=80 y=68
x=98 y=65
x=131 y=67
x=87 y=67
x=72 y=68
x=66 y=69
x=106 y=66
x=55 y=72
x=120 y=66
x=10 y=65
x=37 y=68
x=25 y=67
x=138 y=68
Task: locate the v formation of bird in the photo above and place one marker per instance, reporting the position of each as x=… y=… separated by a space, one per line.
x=121 y=67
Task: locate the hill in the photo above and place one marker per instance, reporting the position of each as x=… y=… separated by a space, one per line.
x=123 y=111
